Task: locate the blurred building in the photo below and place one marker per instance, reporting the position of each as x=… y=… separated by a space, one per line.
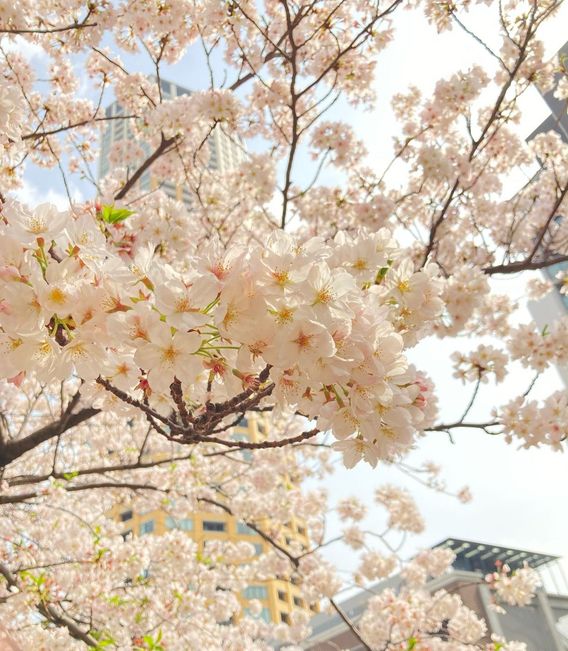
x=555 y=304
x=537 y=624
x=225 y=153
x=279 y=596
x=558 y=118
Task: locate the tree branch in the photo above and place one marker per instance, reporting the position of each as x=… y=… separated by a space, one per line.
x=14 y=449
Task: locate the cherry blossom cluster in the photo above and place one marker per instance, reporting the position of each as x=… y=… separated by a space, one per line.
x=536 y=423
x=322 y=318
x=516 y=588
x=540 y=349
x=131 y=585
x=10 y=110
x=479 y=364
x=463 y=293
x=403 y=514
x=439 y=621
x=337 y=138
x=134 y=323
x=428 y=563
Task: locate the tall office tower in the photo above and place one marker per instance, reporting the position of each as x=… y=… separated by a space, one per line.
x=558 y=118
x=554 y=305
x=538 y=625
x=226 y=153
x=278 y=596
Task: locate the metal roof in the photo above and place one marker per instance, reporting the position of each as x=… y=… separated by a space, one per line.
x=474 y=556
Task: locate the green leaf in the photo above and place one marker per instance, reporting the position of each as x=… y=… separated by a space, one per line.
x=117 y=600
x=411 y=644
x=154 y=645
x=70 y=475
x=104 y=644
x=112 y=215
x=38 y=581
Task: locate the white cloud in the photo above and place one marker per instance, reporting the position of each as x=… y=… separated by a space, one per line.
x=33 y=195
x=24 y=47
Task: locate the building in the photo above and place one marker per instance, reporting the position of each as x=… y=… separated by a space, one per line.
x=226 y=153
x=537 y=624
x=558 y=118
x=555 y=304
x=279 y=596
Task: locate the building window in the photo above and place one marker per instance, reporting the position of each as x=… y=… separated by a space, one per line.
x=257 y=549
x=302 y=530
x=245 y=529
x=285 y=618
x=281 y=595
x=126 y=515
x=264 y=614
x=183 y=524
x=146 y=527
x=298 y=602
x=255 y=592
x=213 y=525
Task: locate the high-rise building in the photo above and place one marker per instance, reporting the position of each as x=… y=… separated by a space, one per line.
x=554 y=304
x=538 y=624
x=278 y=596
x=225 y=152
x=558 y=118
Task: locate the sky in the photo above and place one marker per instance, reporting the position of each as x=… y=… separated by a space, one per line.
x=519 y=495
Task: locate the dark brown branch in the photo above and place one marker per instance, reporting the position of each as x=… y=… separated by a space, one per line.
x=60 y=619
x=524 y=265
x=51 y=30
x=246 y=445
x=15 y=449
x=445 y=428
x=162 y=148
x=349 y=624
x=52 y=132
x=96 y=470
x=553 y=214
x=18 y=498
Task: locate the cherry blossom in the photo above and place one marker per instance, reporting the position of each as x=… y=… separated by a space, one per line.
x=242 y=257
